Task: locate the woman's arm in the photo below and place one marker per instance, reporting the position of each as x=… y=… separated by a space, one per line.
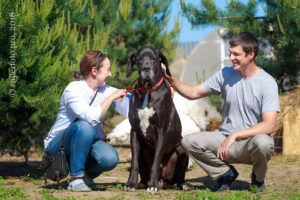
x=108 y=101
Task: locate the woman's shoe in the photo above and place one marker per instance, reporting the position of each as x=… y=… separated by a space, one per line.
x=78 y=185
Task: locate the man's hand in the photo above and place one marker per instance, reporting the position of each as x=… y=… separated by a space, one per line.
x=185 y=90
x=168 y=79
x=165 y=73
x=222 y=151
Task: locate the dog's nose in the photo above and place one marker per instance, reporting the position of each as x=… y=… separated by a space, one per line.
x=146 y=68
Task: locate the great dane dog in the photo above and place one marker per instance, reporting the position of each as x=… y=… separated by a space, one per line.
x=155 y=134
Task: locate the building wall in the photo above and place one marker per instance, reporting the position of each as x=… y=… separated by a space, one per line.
x=207 y=57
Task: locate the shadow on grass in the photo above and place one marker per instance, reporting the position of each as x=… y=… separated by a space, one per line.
x=208 y=183
x=21 y=169
x=115 y=186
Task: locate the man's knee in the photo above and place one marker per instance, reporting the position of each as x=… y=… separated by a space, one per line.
x=263 y=143
x=200 y=142
x=186 y=143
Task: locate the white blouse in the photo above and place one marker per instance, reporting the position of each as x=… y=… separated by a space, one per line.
x=75 y=104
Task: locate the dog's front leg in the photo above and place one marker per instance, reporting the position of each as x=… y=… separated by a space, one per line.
x=135 y=150
x=155 y=170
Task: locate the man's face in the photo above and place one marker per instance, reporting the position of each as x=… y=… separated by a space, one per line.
x=239 y=58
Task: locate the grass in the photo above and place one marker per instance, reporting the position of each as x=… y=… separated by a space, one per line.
x=114 y=187
x=16 y=193
x=278 y=188
x=232 y=195
x=47 y=195
x=124 y=169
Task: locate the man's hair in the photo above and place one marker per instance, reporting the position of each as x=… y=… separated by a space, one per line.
x=248 y=41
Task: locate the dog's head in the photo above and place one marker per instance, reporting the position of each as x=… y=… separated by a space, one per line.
x=148 y=61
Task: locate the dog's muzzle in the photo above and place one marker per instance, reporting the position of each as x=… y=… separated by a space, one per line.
x=147 y=78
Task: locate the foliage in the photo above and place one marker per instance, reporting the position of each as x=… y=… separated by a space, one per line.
x=43 y=41
x=216 y=101
x=14 y=193
x=2 y=181
x=279 y=28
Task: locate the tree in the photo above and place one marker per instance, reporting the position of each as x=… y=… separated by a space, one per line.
x=280 y=27
x=129 y=25
x=43 y=41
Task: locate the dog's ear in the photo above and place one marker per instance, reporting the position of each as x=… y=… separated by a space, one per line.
x=164 y=60
x=130 y=63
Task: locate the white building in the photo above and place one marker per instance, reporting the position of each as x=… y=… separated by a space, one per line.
x=207 y=57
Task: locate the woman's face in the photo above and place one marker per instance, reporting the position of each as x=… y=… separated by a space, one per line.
x=103 y=73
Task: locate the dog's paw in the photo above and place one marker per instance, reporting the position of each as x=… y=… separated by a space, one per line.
x=186 y=187
x=152 y=190
x=129 y=189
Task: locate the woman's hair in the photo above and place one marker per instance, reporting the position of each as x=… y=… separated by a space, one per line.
x=93 y=58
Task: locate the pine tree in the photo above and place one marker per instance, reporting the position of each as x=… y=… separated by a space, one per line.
x=280 y=27
x=129 y=25
x=43 y=41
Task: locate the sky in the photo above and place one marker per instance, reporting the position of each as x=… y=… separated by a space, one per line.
x=187 y=34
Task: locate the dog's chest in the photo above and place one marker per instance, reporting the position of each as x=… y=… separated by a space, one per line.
x=144 y=115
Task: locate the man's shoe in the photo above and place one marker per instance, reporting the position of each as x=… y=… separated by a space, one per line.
x=260 y=185
x=226 y=179
x=78 y=185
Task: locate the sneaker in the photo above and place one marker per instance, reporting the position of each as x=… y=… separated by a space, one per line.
x=89 y=181
x=260 y=185
x=226 y=179
x=78 y=185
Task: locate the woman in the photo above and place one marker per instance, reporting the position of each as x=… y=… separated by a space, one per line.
x=80 y=123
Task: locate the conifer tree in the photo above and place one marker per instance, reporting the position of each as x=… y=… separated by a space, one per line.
x=280 y=26
x=43 y=41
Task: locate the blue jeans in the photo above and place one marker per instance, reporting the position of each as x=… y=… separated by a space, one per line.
x=84 y=153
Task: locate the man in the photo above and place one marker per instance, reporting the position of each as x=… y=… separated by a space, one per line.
x=250 y=105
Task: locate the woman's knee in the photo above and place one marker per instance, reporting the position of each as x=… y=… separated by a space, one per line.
x=83 y=128
x=105 y=155
x=109 y=160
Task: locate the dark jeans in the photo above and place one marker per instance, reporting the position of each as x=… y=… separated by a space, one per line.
x=84 y=153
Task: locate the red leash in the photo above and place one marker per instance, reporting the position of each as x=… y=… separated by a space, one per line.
x=148 y=88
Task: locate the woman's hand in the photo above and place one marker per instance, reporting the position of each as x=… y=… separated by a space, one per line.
x=118 y=94
x=107 y=102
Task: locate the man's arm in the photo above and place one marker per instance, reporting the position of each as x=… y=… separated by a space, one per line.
x=266 y=126
x=186 y=90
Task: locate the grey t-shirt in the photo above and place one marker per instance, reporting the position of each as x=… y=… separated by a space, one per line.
x=243 y=99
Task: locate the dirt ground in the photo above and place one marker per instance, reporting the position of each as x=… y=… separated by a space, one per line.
x=283 y=177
